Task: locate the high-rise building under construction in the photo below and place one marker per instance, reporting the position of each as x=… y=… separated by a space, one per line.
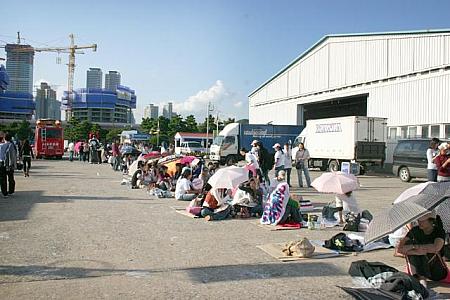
x=19 y=65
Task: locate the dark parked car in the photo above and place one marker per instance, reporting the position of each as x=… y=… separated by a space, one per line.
x=410 y=159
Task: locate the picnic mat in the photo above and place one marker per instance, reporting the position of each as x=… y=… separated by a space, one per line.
x=276 y=250
x=182 y=211
x=279 y=227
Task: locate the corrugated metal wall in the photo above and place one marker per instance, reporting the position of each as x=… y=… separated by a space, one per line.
x=344 y=61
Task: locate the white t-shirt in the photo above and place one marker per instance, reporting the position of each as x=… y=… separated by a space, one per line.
x=279 y=159
x=251 y=159
x=183 y=185
x=430 y=154
x=71 y=146
x=287 y=159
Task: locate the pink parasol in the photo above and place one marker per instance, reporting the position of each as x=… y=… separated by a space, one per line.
x=186 y=160
x=335 y=183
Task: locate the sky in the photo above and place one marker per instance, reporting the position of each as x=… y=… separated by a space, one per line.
x=192 y=52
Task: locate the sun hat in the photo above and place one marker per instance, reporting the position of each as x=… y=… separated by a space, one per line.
x=276 y=145
x=430 y=215
x=443 y=146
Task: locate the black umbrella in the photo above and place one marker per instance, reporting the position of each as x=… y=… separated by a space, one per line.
x=401 y=214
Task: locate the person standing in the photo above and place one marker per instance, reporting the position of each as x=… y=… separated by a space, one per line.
x=288 y=162
x=85 y=152
x=255 y=149
x=3 y=180
x=26 y=152
x=264 y=160
x=301 y=164
x=442 y=162
x=116 y=156
x=278 y=158
x=10 y=162
x=71 y=149
x=432 y=152
x=251 y=161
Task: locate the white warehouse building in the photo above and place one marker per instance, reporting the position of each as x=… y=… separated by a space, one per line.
x=401 y=76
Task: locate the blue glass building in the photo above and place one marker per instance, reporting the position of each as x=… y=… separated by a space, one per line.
x=102 y=106
x=14 y=105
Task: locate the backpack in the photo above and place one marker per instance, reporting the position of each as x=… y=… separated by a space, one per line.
x=328 y=212
x=342 y=242
x=352 y=222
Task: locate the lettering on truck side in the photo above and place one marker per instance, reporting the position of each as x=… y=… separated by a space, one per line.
x=326 y=128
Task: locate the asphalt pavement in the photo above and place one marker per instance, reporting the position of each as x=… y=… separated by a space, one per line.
x=72 y=231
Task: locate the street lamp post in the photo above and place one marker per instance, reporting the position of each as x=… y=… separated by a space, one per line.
x=209 y=109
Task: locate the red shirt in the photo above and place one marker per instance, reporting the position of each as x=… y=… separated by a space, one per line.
x=439 y=161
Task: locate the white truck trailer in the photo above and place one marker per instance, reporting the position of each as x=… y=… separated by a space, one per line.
x=353 y=139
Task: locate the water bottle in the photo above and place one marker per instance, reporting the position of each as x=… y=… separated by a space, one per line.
x=310 y=222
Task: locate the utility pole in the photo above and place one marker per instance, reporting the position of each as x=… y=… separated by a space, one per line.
x=209 y=109
x=157 y=135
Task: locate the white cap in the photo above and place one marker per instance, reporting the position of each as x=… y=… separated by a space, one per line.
x=254 y=142
x=276 y=145
x=443 y=146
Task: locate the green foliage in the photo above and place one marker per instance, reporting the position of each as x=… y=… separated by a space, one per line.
x=112 y=134
x=19 y=130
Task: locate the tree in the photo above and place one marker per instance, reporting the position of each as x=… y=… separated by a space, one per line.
x=176 y=124
x=212 y=124
x=191 y=124
x=113 y=134
x=24 y=130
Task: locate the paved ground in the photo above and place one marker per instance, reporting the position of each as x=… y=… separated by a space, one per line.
x=73 y=232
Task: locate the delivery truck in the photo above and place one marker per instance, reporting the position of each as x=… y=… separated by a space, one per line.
x=225 y=147
x=354 y=139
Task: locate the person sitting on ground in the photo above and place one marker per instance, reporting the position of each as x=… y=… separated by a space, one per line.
x=346 y=203
x=164 y=180
x=277 y=209
x=204 y=176
x=215 y=206
x=177 y=174
x=423 y=248
x=183 y=189
x=277 y=180
x=213 y=168
x=248 y=199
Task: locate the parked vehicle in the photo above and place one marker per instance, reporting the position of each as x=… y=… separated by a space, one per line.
x=190 y=148
x=48 y=139
x=226 y=145
x=354 y=139
x=410 y=159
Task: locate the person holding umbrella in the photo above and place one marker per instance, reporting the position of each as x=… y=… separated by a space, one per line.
x=423 y=248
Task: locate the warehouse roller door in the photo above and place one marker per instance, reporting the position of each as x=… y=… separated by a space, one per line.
x=331 y=108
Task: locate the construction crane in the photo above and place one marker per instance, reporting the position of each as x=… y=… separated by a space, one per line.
x=72 y=49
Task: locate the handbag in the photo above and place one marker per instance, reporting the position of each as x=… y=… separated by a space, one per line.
x=19 y=166
x=300 y=248
x=301 y=163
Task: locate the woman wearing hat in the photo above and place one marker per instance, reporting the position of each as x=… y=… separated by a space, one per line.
x=442 y=162
x=279 y=159
x=423 y=248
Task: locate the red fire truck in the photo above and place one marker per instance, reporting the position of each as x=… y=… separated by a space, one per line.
x=48 y=139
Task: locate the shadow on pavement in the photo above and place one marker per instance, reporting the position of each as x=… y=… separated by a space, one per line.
x=18 y=206
x=262 y=271
x=199 y=275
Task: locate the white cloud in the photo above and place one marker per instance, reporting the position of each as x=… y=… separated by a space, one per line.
x=197 y=104
x=238 y=104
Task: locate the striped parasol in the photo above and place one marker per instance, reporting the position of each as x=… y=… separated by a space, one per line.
x=401 y=214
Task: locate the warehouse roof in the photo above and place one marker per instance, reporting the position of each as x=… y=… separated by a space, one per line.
x=428 y=31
